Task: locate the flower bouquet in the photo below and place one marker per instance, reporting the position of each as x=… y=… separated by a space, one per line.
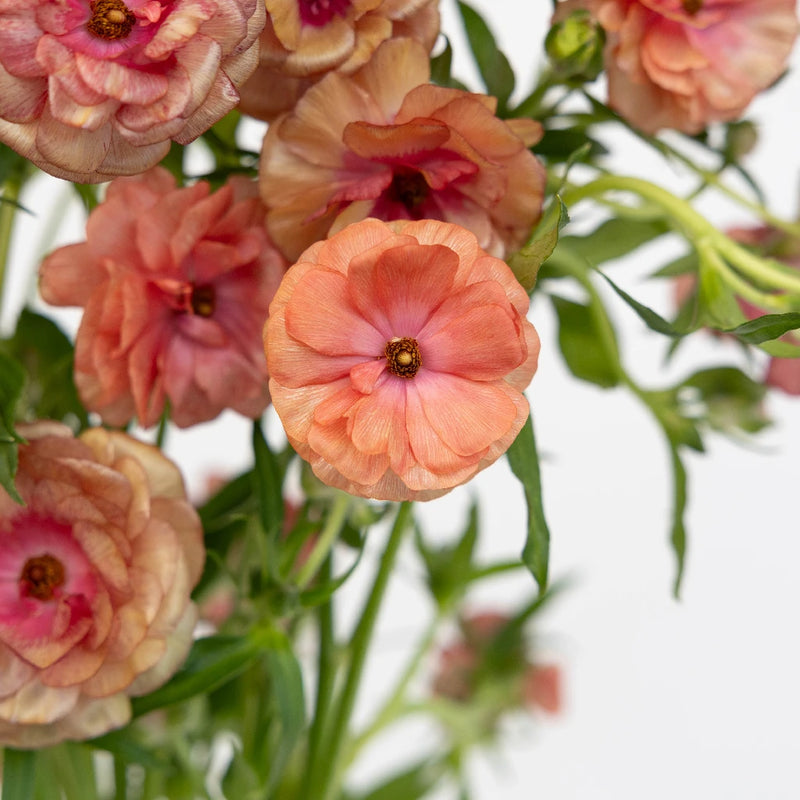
x=290 y=258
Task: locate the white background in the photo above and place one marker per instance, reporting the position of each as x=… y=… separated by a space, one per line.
x=663 y=699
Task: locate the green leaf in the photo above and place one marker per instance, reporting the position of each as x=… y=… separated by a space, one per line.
x=766 y=328
x=617 y=237
x=496 y=72
x=559 y=144
x=441 y=65
x=526 y=263
x=582 y=344
x=12 y=379
x=228 y=499
x=268 y=484
x=523 y=458
x=678 y=532
x=287 y=688
x=412 y=784
x=19 y=774
x=47 y=355
x=653 y=320
x=212 y=661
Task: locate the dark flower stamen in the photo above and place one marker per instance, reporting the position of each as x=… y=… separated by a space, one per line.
x=203 y=300
x=409 y=188
x=41 y=576
x=403 y=356
x=111 y=19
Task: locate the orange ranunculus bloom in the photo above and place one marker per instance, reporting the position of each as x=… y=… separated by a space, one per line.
x=397 y=354
x=305 y=39
x=96 y=570
x=386 y=143
x=175 y=285
x=685 y=63
x=91 y=89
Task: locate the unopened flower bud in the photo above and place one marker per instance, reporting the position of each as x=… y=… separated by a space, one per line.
x=575 y=47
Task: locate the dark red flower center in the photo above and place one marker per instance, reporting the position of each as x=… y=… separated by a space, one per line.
x=321 y=12
x=111 y=19
x=409 y=188
x=41 y=576
x=403 y=356
x=692 y=6
x=203 y=300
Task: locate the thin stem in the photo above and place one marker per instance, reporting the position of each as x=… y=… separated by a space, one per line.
x=326 y=783
x=325 y=541
x=766 y=271
x=326 y=677
x=8 y=211
x=396 y=704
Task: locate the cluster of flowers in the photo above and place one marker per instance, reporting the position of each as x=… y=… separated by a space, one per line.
x=396 y=348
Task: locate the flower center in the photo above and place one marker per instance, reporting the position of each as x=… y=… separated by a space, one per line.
x=403 y=356
x=111 y=19
x=203 y=300
x=409 y=188
x=692 y=6
x=41 y=575
x=321 y=12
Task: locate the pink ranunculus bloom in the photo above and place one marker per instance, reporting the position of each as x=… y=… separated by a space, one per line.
x=92 y=89
x=479 y=655
x=303 y=41
x=96 y=570
x=175 y=285
x=386 y=143
x=397 y=354
x=685 y=63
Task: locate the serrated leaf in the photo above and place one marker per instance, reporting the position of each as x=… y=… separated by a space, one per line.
x=523 y=458
x=582 y=344
x=212 y=661
x=526 y=263
x=19 y=774
x=494 y=68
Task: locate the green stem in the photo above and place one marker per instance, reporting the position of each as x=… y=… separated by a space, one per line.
x=325 y=541
x=8 y=211
x=767 y=272
x=327 y=781
x=120 y=779
x=396 y=705
x=326 y=675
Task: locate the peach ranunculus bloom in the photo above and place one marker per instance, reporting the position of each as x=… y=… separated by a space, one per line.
x=96 y=570
x=175 y=285
x=386 y=143
x=304 y=40
x=397 y=354
x=685 y=63
x=91 y=89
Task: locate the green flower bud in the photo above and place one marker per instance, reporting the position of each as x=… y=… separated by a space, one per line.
x=575 y=47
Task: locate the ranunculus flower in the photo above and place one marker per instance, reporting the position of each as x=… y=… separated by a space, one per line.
x=175 y=285
x=397 y=356
x=95 y=575
x=91 y=89
x=304 y=40
x=685 y=63
x=386 y=143
x=480 y=657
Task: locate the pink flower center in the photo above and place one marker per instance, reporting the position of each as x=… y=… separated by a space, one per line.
x=403 y=356
x=409 y=188
x=111 y=19
x=41 y=576
x=321 y=12
x=692 y=6
x=203 y=300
